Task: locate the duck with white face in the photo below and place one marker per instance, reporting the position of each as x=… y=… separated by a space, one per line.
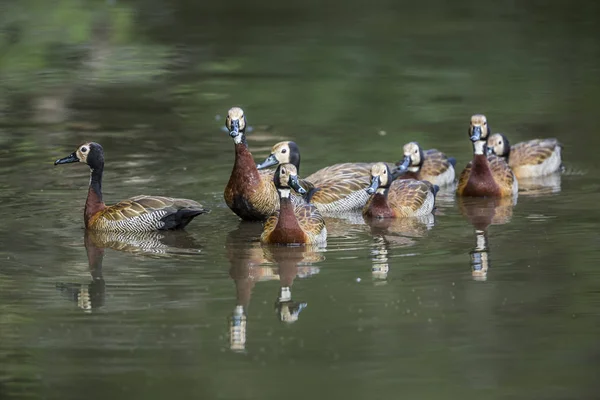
x=485 y=176
x=250 y=193
x=391 y=198
x=293 y=224
x=530 y=159
x=335 y=189
x=429 y=165
x=138 y=214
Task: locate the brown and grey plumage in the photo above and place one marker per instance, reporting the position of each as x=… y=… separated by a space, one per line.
x=427 y=165
x=538 y=157
x=138 y=214
x=485 y=176
x=293 y=223
x=250 y=193
x=333 y=189
x=399 y=198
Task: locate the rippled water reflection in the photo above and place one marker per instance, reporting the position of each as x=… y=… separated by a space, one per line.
x=488 y=298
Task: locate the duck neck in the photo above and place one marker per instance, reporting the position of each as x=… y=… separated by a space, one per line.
x=287 y=217
x=244 y=162
x=379 y=206
x=479 y=147
x=94 y=201
x=506 y=155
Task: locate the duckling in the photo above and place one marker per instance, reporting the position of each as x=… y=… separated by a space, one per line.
x=333 y=189
x=293 y=224
x=138 y=214
x=485 y=176
x=430 y=165
x=400 y=198
x=250 y=193
x=538 y=157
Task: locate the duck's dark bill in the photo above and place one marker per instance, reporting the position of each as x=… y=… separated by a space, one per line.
x=296 y=185
x=403 y=166
x=69 y=159
x=374 y=185
x=269 y=162
x=476 y=134
x=235 y=128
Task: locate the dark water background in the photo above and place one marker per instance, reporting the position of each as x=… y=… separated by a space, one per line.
x=153 y=316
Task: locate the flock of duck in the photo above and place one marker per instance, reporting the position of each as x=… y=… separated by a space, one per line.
x=292 y=208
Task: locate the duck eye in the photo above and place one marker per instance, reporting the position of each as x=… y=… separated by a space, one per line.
x=84 y=149
x=283 y=151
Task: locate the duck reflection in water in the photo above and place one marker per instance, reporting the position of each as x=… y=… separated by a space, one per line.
x=481 y=213
x=92 y=296
x=251 y=263
x=394 y=232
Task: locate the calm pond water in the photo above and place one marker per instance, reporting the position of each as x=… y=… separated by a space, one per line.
x=488 y=300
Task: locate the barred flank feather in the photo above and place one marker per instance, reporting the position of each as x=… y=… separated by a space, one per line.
x=147 y=213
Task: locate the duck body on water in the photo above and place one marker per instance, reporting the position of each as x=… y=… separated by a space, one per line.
x=292 y=208
x=138 y=214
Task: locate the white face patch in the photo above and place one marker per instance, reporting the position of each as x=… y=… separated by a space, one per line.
x=284 y=193
x=478 y=147
x=413 y=169
x=380 y=190
x=238 y=139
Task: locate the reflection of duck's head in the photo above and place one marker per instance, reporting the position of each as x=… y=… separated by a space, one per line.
x=484 y=211
x=379 y=257
x=287 y=309
x=480 y=263
x=237 y=329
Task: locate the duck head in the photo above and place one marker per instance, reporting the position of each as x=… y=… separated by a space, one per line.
x=478 y=132
x=90 y=153
x=413 y=158
x=286 y=177
x=236 y=124
x=381 y=178
x=282 y=153
x=498 y=144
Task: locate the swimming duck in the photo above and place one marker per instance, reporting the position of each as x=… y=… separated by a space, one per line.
x=333 y=189
x=485 y=176
x=538 y=157
x=138 y=214
x=293 y=224
x=250 y=193
x=399 y=198
x=429 y=165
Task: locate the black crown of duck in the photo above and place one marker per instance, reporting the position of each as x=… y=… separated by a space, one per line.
x=138 y=214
